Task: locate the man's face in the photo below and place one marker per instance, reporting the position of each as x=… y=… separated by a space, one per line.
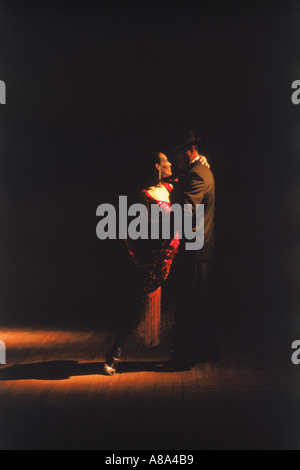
x=182 y=159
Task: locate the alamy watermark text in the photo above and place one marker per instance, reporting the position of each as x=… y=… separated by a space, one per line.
x=133 y=222
x=296 y=353
x=2 y=92
x=296 y=93
x=2 y=353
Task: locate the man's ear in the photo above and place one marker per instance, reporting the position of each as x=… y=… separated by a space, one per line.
x=157 y=166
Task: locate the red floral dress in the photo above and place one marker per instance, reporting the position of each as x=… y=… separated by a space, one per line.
x=156 y=257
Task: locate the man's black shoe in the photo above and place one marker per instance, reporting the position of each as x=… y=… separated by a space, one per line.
x=178 y=366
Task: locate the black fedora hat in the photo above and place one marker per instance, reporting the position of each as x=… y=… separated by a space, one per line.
x=187 y=140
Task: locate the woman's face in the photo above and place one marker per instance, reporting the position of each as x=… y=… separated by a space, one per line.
x=165 y=166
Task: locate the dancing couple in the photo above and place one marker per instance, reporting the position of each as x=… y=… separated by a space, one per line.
x=153 y=259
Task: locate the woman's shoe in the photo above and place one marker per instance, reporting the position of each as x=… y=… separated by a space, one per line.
x=109 y=370
x=112 y=359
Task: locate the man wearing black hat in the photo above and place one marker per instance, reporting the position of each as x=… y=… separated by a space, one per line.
x=194 y=334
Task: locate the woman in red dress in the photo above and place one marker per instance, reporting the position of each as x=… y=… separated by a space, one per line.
x=153 y=260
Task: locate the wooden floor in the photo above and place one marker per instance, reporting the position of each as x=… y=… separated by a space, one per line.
x=53 y=396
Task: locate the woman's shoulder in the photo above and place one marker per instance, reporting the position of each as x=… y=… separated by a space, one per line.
x=144 y=194
x=169 y=187
x=158 y=193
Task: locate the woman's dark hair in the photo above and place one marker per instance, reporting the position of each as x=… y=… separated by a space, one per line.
x=150 y=174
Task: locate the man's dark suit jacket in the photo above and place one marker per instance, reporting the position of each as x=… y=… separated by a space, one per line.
x=197 y=186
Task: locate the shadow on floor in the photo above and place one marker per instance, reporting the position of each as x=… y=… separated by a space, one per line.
x=62 y=370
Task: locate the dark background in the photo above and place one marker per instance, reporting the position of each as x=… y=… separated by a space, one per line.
x=90 y=90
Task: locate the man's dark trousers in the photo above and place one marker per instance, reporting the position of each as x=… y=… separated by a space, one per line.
x=195 y=337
